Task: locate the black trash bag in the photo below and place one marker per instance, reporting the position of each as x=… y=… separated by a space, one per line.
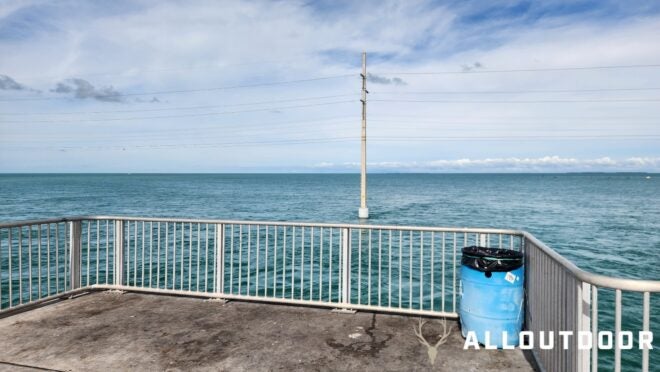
x=491 y=259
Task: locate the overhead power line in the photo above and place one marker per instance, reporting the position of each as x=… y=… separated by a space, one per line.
x=485 y=71
x=217 y=144
x=586 y=136
x=516 y=91
x=525 y=101
x=174 y=116
x=175 y=108
x=192 y=90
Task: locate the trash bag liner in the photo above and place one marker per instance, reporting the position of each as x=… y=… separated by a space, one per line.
x=491 y=259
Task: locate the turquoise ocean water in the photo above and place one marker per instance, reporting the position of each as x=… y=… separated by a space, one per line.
x=605 y=223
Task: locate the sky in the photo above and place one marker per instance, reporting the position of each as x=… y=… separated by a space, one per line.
x=274 y=86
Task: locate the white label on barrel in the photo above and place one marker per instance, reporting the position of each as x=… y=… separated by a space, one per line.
x=510 y=278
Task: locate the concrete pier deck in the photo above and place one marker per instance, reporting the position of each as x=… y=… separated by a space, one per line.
x=105 y=331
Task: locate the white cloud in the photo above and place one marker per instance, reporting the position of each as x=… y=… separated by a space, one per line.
x=541 y=164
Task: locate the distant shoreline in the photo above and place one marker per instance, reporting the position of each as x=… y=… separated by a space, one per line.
x=320 y=173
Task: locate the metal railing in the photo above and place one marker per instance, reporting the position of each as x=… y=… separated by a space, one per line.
x=398 y=269
x=562 y=297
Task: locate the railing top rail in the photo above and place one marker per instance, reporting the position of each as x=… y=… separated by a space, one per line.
x=271 y=223
x=636 y=285
x=5 y=225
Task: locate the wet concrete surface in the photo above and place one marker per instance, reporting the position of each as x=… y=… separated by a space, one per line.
x=120 y=332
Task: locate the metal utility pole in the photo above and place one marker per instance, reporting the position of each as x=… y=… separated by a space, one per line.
x=363 y=212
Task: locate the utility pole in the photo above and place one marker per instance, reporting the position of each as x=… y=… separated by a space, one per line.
x=363 y=212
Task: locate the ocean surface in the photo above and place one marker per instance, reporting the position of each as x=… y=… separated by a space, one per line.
x=605 y=223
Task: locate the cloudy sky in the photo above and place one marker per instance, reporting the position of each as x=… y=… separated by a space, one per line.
x=273 y=86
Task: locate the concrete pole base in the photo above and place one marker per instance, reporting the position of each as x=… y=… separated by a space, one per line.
x=363 y=213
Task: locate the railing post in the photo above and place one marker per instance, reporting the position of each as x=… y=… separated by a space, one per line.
x=346 y=266
x=220 y=258
x=119 y=253
x=584 y=324
x=75 y=237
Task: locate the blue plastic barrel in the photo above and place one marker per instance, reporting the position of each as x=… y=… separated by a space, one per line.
x=492 y=301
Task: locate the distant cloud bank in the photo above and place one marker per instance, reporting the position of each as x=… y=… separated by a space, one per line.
x=83 y=89
x=377 y=79
x=7 y=83
x=512 y=164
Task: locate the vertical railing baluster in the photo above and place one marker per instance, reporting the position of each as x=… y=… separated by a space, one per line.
x=293 y=259
x=107 y=251
x=98 y=249
x=48 y=292
x=256 y=275
x=127 y=253
x=410 y=272
x=302 y=260
x=330 y=273
x=453 y=309
x=167 y=249
x=442 y=284
x=89 y=261
x=119 y=253
x=284 y=233
x=65 y=257
x=594 y=328
x=29 y=231
x=266 y=262
x=617 y=330
x=380 y=263
x=74 y=253
x=321 y=265
x=583 y=312
x=346 y=267
x=158 y=263
x=189 y=255
x=421 y=269
x=369 y=270
x=432 y=270
x=199 y=253
x=57 y=258
x=400 y=268
x=220 y=258
x=275 y=228
x=389 y=269
x=206 y=259
x=151 y=253
x=39 y=226
x=231 y=260
x=240 y=257
x=646 y=327
x=11 y=272
x=359 y=266
x=311 y=263
x=182 y=256
x=142 y=254
x=249 y=257
x=135 y=252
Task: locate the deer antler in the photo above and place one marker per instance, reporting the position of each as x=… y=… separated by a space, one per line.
x=418 y=333
x=445 y=333
x=432 y=351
